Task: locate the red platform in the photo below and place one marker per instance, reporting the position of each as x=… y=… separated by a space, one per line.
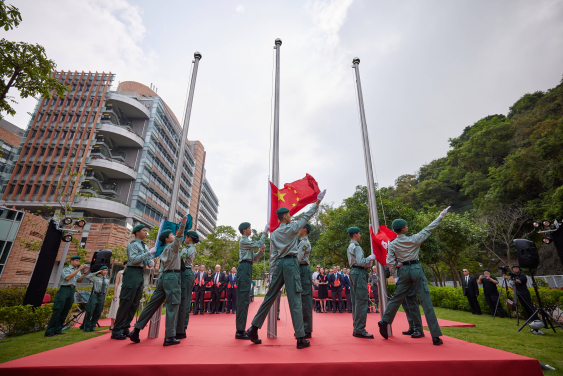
x=211 y=349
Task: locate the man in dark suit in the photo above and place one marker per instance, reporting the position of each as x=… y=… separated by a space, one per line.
x=335 y=283
x=346 y=285
x=232 y=290
x=218 y=278
x=471 y=291
x=201 y=278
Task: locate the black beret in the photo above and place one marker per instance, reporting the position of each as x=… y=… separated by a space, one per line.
x=243 y=226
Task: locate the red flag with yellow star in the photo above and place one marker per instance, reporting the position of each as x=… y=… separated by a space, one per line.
x=293 y=196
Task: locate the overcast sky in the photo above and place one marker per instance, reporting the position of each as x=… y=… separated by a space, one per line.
x=428 y=69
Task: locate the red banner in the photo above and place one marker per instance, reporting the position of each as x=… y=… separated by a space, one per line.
x=380 y=242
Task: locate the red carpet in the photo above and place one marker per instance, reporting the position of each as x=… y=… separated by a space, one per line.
x=211 y=349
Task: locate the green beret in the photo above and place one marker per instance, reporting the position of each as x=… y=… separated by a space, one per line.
x=282 y=211
x=399 y=224
x=75 y=258
x=103 y=267
x=308 y=227
x=193 y=234
x=353 y=230
x=138 y=228
x=163 y=235
x=243 y=226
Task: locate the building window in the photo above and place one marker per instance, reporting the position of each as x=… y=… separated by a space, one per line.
x=5 y=248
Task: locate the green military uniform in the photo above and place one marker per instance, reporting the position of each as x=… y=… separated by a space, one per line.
x=410 y=305
x=244 y=275
x=284 y=269
x=358 y=284
x=168 y=286
x=96 y=302
x=304 y=251
x=63 y=300
x=406 y=250
x=138 y=257
x=187 y=254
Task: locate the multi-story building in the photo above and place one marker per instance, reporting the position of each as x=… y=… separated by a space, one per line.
x=125 y=144
x=10 y=138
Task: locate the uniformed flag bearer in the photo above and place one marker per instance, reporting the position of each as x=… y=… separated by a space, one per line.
x=97 y=298
x=187 y=256
x=70 y=275
x=411 y=308
x=406 y=250
x=284 y=269
x=359 y=283
x=247 y=256
x=304 y=251
x=138 y=256
x=169 y=287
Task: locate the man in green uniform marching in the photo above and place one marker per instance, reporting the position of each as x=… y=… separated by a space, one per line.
x=284 y=269
x=406 y=250
x=187 y=256
x=97 y=299
x=138 y=256
x=247 y=256
x=70 y=275
x=410 y=306
x=358 y=283
x=169 y=287
x=304 y=251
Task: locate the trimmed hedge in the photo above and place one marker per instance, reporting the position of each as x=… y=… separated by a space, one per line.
x=18 y=320
x=453 y=298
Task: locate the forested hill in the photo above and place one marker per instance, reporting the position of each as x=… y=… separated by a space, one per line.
x=500 y=160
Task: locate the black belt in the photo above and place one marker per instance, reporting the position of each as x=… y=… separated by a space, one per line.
x=358 y=267
x=68 y=286
x=410 y=262
x=247 y=262
x=136 y=267
x=290 y=256
x=99 y=293
x=173 y=271
x=303 y=263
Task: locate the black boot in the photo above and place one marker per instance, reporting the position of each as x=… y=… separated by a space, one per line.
x=171 y=341
x=118 y=336
x=383 y=329
x=417 y=334
x=408 y=332
x=241 y=335
x=181 y=335
x=252 y=334
x=134 y=335
x=364 y=334
x=302 y=343
x=437 y=341
x=307 y=335
x=126 y=331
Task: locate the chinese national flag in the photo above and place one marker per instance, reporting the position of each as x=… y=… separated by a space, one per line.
x=293 y=196
x=380 y=242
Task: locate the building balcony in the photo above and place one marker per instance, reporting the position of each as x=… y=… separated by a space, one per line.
x=102 y=206
x=112 y=168
x=132 y=108
x=124 y=136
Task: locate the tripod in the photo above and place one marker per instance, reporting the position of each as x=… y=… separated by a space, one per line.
x=504 y=285
x=540 y=309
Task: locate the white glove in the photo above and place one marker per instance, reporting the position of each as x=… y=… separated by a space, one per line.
x=262 y=248
x=444 y=212
x=321 y=195
x=266 y=228
x=151 y=264
x=371 y=257
x=152 y=250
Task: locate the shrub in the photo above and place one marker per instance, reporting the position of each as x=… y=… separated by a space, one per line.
x=18 y=320
x=12 y=296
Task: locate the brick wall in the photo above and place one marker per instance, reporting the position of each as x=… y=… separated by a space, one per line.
x=9 y=137
x=21 y=261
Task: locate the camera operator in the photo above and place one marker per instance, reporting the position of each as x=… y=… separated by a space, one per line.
x=523 y=294
x=491 y=293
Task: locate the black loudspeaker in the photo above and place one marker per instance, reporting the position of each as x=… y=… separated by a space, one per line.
x=557 y=237
x=44 y=266
x=100 y=258
x=527 y=253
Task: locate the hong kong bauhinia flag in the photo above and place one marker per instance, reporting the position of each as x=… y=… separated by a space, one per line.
x=380 y=242
x=293 y=196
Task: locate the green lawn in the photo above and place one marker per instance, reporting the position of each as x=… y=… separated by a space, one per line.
x=503 y=334
x=29 y=344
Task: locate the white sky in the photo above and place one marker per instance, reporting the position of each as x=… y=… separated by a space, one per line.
x=428 y=70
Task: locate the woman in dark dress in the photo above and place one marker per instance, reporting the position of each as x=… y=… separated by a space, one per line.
x=323 y=289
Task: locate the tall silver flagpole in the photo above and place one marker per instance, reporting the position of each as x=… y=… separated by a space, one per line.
x=154 y=325
x=371 y=186
x=273 y=314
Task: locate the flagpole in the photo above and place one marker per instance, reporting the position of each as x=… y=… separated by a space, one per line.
x=374 y=219
x=272 y=315
x=154 y=324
